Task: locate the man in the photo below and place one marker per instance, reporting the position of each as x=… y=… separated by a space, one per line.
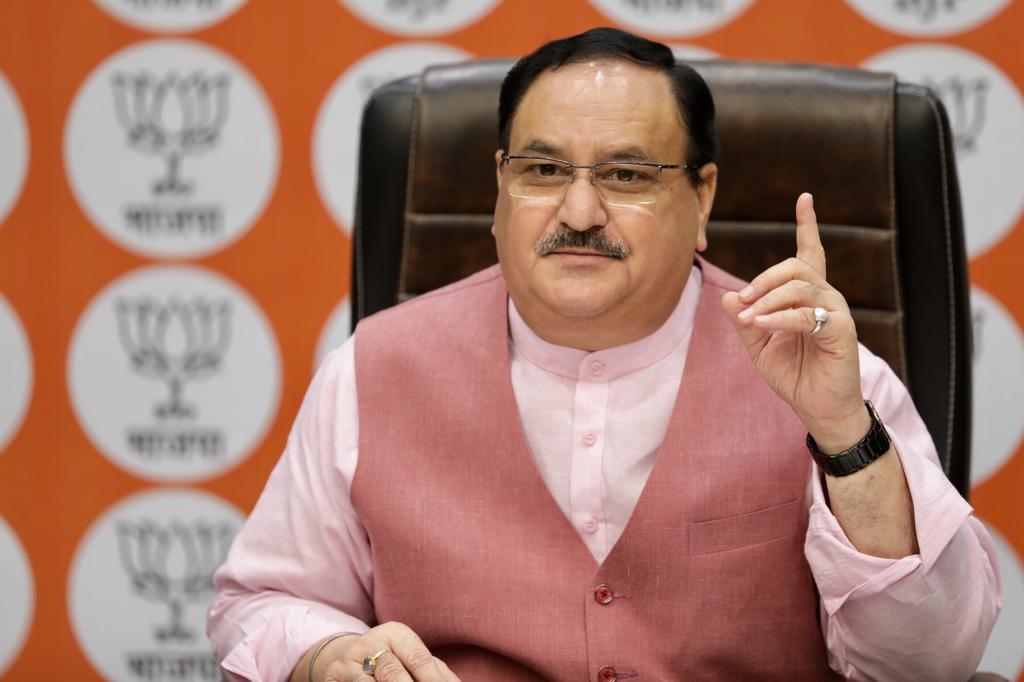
x=591 y=463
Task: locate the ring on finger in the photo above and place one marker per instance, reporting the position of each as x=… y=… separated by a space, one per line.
x=820 y=318
x=370 y=662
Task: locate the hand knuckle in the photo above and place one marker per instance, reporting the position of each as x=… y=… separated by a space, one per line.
x=419 y=658
x=392 y=629
x=389 y=670
x=791 y=289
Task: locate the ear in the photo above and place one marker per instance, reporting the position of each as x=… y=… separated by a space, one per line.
x=497 y=178
x=497 y=167
x=705 y=199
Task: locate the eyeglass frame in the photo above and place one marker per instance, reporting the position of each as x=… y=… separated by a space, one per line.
x=506 y=157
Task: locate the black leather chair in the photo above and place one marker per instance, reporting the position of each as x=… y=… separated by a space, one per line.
x=876 y=154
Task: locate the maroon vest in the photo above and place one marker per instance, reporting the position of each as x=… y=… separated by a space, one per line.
x=470 y=550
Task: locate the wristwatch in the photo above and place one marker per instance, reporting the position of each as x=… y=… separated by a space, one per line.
x=851 y=460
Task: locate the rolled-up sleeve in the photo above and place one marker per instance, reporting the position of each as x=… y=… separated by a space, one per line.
x=299 y=570
x=925 y=616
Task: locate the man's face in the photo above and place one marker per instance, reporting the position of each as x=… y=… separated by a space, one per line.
x=589 y=113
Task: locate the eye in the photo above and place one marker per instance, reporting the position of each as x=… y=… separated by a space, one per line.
x=545 y=169
x=625 y=175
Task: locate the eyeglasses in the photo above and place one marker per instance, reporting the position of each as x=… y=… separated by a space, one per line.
x=615 y=181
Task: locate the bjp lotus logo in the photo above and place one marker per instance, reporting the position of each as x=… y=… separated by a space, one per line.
x=965 y=100
x=416 y=9
x=173 y=563
x=926 y=9
x=977 y=325
x=171 y=117
x=174 y=342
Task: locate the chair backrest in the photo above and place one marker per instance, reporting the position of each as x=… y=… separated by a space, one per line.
x=876 y=154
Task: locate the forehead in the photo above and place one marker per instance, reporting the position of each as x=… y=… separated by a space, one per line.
x=601 y=105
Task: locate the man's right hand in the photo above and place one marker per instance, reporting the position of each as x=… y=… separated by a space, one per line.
x=406 y=659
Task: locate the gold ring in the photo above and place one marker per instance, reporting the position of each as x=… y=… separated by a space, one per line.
x=370 y=662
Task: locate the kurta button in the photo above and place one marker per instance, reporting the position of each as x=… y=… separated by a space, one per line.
x=607 y=674
x=603 y=595
x=596 y=368
x=589 y=439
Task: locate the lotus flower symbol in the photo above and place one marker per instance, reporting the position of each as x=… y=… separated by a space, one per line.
x=174 y=342
x=173 y=563
x=926 y=9
x=418 y=9
x=965 y=100
x=977 y=324
x=172 y=117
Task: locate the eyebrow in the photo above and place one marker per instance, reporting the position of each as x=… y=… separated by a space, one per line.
x=540 y=147
x=631 y=153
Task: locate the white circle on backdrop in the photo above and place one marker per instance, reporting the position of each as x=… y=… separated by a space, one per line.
x=686 y=53
x=672 y=17
x=928 y=17
x=16 y=370
x=1004 y=654
x=141 y=582
x=337 y=328
x=169 y=15
x=998 y=415
x=171 y=148
x=17 y=596
x=336 y=134
x=15 y=146
x=174 y=373
x=986 y=113
x=420 y=17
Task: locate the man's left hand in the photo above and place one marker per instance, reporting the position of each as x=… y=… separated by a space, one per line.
x=819 y=374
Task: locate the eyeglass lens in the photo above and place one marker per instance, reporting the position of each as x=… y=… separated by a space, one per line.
x=616 y=182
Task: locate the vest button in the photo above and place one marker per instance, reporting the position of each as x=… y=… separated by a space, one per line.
x=607 y=674
x=603 y=595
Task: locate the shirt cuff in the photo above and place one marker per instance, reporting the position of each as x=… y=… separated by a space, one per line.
x=842 y=572
x=275 y=646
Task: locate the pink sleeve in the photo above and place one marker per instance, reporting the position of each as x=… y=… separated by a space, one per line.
x=299 y=570
x=925 y=616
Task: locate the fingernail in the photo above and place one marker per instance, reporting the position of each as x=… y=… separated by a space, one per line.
x=747 y=293
x=761 y=319
x=745 y=315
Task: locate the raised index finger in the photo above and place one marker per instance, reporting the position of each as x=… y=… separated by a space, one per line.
x=808 y=240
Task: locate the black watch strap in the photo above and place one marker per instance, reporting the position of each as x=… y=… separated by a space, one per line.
x=872 y=446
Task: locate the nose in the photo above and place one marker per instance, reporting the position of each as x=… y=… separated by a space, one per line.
x=581 y=208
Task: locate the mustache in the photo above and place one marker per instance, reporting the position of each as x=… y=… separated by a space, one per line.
x=592 y=240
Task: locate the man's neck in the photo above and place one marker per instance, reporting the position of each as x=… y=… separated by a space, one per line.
x=595 y=333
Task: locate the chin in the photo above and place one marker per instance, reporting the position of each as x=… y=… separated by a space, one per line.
x=578 y=304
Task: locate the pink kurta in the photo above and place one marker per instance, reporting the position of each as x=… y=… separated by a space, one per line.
x=497 y=543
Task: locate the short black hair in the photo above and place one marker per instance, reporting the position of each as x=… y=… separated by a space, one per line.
x=696 y=106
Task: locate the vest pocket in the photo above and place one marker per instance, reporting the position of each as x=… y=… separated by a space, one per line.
x=745 y=530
